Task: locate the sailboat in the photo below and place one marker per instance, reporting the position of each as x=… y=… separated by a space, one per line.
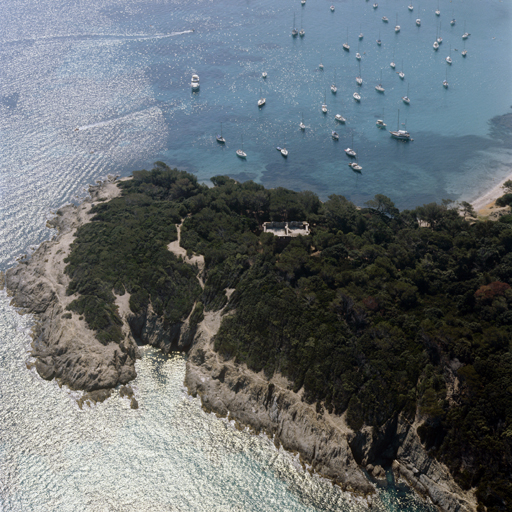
x=379 y=42
x=349 y=151
x=465 y=35
x=332 y=8
x=302 y=126
x=392 y=64
x=438 y=12
x=379 y=87
x=439 y=38
x=262 y=100
x=359 y=80
x=410 y=7
x=361 y=35
x=464 y=52
x=449 y=58
x=295 y=32
x=385 y=19
x=406 y=99
x=283 y=150
x=346 y=46
x=397 y=26
x=324 y=105
x=264 y=74
x=445 y=81
x=334 y=89
x=418 y=20
x=452 y=22
x=240 y=152
x=302 y=31
x=356 y=96
x=220 y=138
x=380 y=122
x=339 y=118
x=335 y=135
x=321 y=66
x=402 y=74
x=400 y=134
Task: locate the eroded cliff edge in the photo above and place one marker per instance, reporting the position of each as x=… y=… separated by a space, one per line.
x=323 y=440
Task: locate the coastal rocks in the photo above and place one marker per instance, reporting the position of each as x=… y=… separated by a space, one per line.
x=323 y=441
x=63 y=347
x=230 y=389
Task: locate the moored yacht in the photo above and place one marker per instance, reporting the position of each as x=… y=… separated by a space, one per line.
x=356 y=96
x=220 y=138
x=335 y=135
x=240 y=152
x=385 y=19
x=302 y=126
x=400 y=134
x=405 y=98
x=339 y=118
x=324 y=105
x=194 y=83
x=350 y=151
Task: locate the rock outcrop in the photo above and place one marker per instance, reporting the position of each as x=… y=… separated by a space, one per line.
x=63 y=347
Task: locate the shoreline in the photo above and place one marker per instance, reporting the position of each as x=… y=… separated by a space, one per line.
x=485 y=201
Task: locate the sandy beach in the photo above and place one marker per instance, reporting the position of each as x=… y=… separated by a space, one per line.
x=484 y=204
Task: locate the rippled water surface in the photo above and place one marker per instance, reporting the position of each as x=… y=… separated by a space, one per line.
x=103 y=86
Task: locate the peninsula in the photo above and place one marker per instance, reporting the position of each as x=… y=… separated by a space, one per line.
x=365 y=339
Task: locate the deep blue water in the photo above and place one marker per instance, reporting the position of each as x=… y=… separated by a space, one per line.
x=120 y=71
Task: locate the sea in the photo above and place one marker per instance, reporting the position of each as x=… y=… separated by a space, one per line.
x=98 y=87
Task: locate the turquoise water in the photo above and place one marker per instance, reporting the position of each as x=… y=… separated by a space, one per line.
x=119 y=71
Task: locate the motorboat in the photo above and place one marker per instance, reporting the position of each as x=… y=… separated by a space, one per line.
x=220 y=138
x=240 y=152
x=375 y=5
x=385 y=19
x=264 y=74
x=335 y=135
x=303 y=2
x=410 y=7
x=332 y=8
x=359 y=80
x=357 y=96
x=355 y=167
x=400 y=134
x=418 y=22
x=464 y=52
x=194 y=83
x=339 y=118
x=380 y=123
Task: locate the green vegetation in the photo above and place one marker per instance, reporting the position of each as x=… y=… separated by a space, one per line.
x=377 y=313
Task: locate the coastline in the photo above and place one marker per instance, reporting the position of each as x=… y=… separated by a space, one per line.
x=484 y=203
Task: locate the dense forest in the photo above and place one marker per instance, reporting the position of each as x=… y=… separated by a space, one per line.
x=377 y=312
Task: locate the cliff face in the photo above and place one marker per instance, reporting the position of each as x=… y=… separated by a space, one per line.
x=323 y=440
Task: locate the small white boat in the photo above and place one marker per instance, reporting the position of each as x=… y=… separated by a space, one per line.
x=410 y=7
x=418 y=22
x=194 y=83
x=220 y=138
x=262 y=100
x=302 y=32
x=436 y=46
x=324 y=105
x=302 y=126
x=397 y=26
x=379 y=42
x=355 y=166
x=445 y=82
x=405 y=98
x=356 y=96
x=361 y=35
x=379 y=87
x=332 y=8
x=339 y=118
x=358 y=56
x=375 y=5
x=240 y=152
x=334 y=89
x=452 y=22
x=438 y=12
x=401 y=74
x=392 y=64
x=465 y=35
x=385 y=19
x=335 y=135
x=449 y=58
x=264 y=74
x=359 y=80
x=321 y=66
x=349 y=151
x=295 y=32
x=303 y=2
x=464 y=52
x=380 y=123
x=284 y=152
